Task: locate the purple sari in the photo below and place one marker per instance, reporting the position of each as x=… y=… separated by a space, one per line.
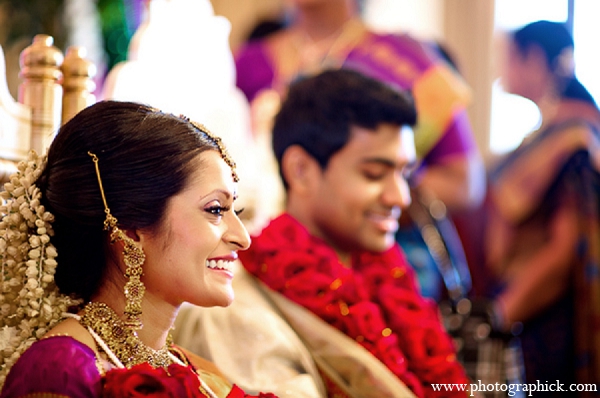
x=56 y=366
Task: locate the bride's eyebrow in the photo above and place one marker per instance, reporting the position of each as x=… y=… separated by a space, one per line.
x=224 y=192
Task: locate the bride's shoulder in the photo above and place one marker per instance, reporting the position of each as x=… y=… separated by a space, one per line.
x=55 y=364
x=72 y=328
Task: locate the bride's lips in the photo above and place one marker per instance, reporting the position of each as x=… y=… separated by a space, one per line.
x=222 y=263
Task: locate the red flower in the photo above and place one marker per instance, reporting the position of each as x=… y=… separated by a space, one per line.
x=398 y=277
x=176 y=381
x=237 y=392
x=291 y=264
x=364 y=320
x=311 y=291
x=387 y=349
x=286 y=230
x=185 y=375
x=145 y=381
x=352 y=287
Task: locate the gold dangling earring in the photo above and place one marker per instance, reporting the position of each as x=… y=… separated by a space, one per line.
x=133 y=257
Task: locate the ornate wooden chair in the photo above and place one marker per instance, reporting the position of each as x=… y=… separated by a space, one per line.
x=54 y=88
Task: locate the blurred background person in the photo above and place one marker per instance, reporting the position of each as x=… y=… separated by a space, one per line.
x=542 y=238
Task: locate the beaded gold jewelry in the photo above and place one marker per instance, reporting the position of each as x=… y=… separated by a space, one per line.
x=123 y=346
x=121 y=340
x=133 y=257
x=218 y=142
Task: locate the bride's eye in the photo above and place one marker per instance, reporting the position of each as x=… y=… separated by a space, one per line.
x=218 y=210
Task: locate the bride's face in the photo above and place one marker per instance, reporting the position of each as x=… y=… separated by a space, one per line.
x=190 y=258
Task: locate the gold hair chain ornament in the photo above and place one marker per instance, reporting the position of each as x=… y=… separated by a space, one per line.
x=218 y=142
x=133 y=257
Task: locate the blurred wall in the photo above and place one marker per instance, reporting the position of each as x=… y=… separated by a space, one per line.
x=422 y=18
x=469 y=33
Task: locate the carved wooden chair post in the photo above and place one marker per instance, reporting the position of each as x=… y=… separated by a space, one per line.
x=41 y=89
x=78 y=84
x=53 y=89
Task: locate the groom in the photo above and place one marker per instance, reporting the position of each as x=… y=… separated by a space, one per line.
x=326 y=303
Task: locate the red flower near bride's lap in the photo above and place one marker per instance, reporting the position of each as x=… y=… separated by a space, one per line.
x=145 y=381
x=176 y=381
x=237 y=392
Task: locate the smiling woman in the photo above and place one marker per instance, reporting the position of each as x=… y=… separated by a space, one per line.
x=194 y=251
x=138 y=207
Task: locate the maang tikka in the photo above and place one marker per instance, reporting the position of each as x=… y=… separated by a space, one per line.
x=133 y=257
x=218 y=142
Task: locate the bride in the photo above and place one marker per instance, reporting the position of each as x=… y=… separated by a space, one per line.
x=130 y=215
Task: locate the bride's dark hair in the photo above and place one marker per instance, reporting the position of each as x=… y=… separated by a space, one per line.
x=145 y=157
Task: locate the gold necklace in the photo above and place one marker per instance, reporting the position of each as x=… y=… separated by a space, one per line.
x=124 y=342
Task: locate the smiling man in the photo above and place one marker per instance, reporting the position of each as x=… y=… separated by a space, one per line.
x=355 y=201
x=329 y=267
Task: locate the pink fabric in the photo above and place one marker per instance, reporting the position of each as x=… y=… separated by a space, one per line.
x=56 y=365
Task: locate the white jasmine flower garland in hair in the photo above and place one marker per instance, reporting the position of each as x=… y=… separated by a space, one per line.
x=30 y=303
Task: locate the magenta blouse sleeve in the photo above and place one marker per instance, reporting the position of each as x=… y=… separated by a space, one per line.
x=57 y=365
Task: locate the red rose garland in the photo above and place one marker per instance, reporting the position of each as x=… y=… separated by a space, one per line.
x=376 y=302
